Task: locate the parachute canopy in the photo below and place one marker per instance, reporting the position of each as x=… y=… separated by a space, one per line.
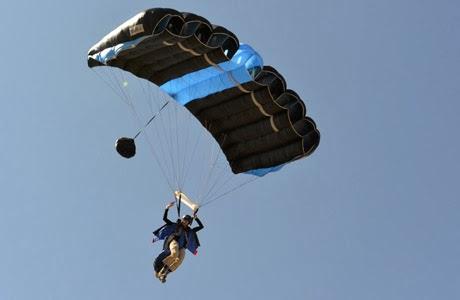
x=259 y=124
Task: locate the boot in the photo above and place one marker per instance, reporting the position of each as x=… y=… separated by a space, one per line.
x=163 y=273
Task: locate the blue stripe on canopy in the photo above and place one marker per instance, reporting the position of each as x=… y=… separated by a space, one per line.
x=264 y=171
x=212 y=80
x=203 y=82
x=111 y=53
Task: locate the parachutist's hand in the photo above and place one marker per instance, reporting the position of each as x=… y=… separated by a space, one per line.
x=170 y=205
x=195 y=212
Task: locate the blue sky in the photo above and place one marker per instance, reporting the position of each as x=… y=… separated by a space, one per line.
x=372 y=214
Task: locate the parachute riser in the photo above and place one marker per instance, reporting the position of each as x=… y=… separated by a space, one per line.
x=182 y=198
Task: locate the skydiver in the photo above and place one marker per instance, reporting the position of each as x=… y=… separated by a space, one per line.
x=177 y=237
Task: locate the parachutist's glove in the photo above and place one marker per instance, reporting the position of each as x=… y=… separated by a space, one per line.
x=170 y=205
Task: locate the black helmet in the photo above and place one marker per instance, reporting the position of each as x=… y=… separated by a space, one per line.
x=187 y=218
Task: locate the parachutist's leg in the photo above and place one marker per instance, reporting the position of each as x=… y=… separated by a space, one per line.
x=179 y=261
x=173 y=257
x=158 y=264
x=160 y=272
x=173 y=261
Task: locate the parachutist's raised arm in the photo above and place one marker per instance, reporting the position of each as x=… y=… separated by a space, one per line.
x=165 y=215
x=200 y=225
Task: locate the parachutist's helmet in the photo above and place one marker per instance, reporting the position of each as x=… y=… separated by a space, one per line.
x=188 y=218
x=126 y=147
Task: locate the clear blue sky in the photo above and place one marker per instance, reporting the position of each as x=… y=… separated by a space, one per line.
x=373 y=214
